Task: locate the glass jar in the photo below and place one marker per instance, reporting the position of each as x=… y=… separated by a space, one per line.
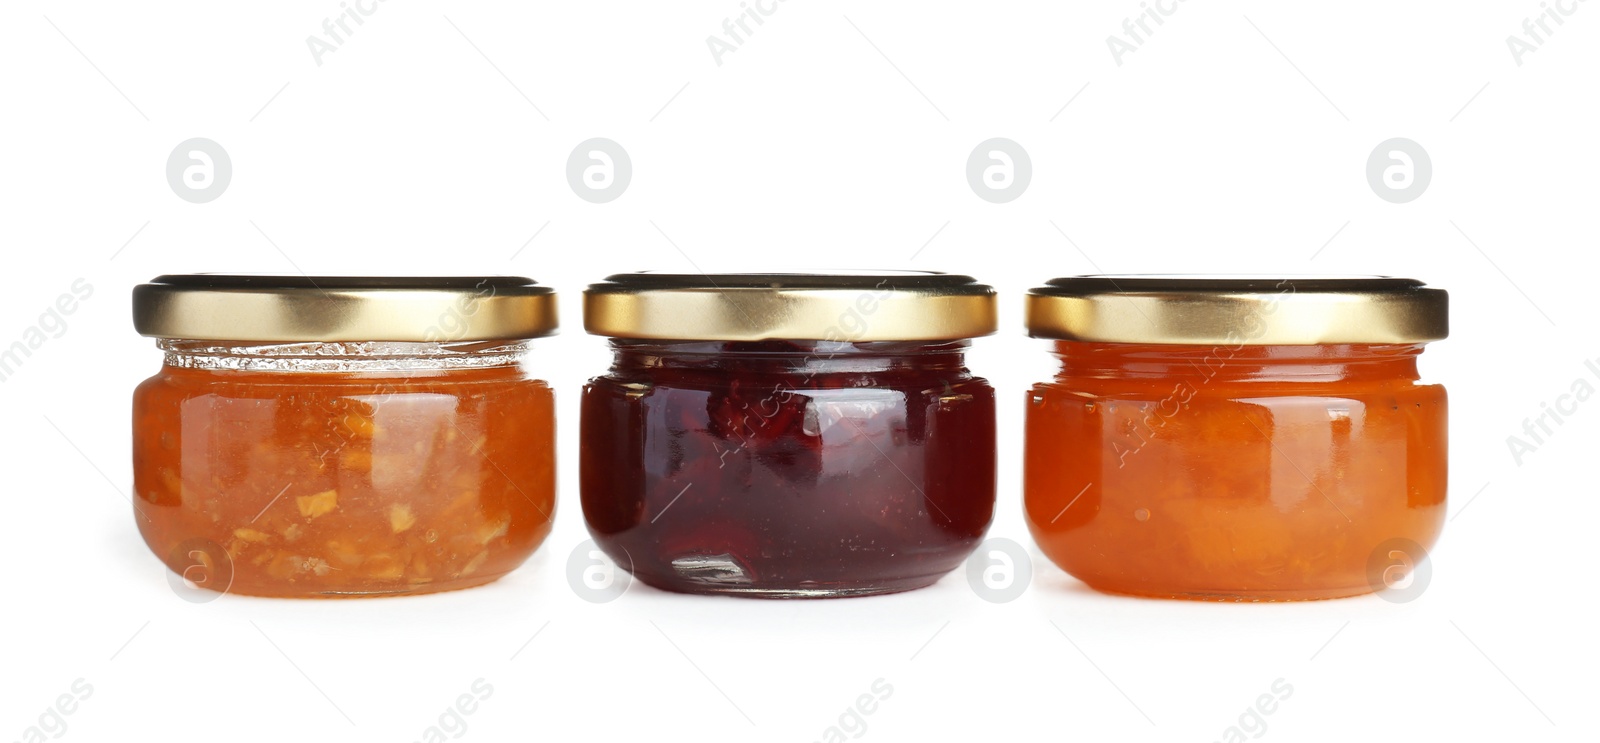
x=1236 y=438
x=785 y=435
x=342 y=436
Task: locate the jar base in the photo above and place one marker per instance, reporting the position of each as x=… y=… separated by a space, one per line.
x=420 y=589
x=1238 y=597
x=799 y=591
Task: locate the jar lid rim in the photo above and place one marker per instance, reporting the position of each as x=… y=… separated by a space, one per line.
x=261 y=307
x=879 y=279
x=351 y=283
x=1274 y=283
x=835 y=306
x=1238 y=310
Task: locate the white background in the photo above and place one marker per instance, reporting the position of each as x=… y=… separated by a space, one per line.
x=435 y=141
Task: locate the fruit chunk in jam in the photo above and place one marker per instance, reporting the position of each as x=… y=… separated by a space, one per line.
x=329 y=484
x=788 y=468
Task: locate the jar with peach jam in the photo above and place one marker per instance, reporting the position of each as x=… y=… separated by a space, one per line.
x=1236 y=439
x=788 y=435
x=343 y=436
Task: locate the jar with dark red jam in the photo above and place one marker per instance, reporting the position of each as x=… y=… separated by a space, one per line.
x=788 y=435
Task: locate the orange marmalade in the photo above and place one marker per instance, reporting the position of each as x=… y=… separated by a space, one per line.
x=1236 y=439
x=323 y=468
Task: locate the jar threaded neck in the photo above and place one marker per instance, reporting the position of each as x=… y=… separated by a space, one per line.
x=355 y=356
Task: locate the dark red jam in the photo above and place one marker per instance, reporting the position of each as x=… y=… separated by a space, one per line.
x=788 y=468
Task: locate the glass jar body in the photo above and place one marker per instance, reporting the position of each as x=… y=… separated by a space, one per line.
x=1236 y=472
x=343 y=469
x=788 y=468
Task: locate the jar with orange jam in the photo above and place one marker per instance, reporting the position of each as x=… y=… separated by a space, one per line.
x=342 y=436
x=1236 y=439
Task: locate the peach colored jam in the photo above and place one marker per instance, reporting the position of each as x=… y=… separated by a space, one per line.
x=303 y=484
x=1248 y=473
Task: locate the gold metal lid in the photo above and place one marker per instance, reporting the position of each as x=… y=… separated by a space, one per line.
x=879 y=306
x=343 y=308
x=1238 y=310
